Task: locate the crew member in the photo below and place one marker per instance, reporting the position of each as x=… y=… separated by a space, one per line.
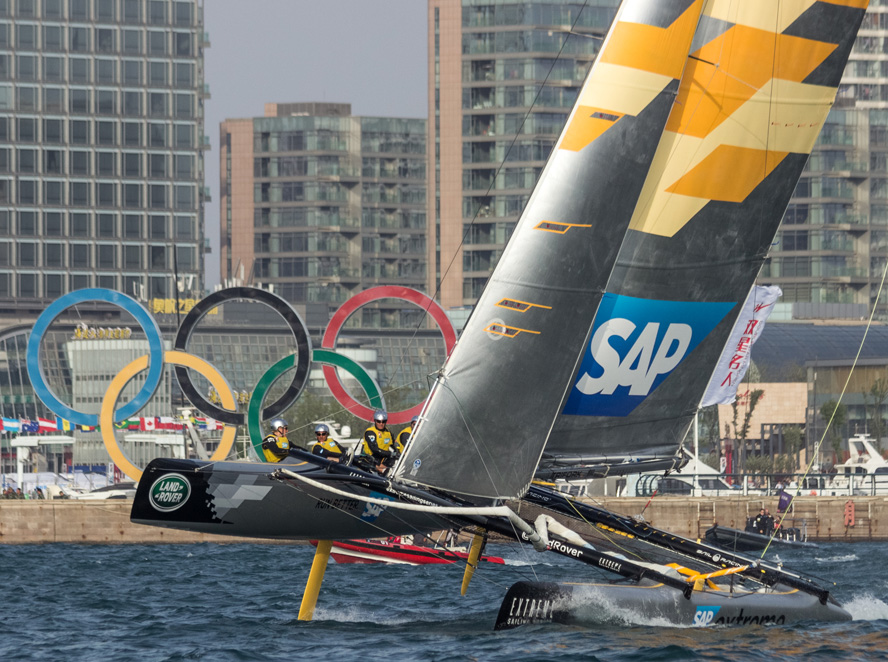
x=404 y=436
x=326 y=446
x=276 y=446
x=377 y=447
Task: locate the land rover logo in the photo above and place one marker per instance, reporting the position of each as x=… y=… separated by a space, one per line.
x=169 y=492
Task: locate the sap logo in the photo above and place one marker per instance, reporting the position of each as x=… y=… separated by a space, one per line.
x=705 y=616
x=371 y=510
x=635 y=346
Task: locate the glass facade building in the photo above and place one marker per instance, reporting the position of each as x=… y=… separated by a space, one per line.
x=101 y=147
x=320 y=205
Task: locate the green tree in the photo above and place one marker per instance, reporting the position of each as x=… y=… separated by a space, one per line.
x=835 y=415
x=792 y=444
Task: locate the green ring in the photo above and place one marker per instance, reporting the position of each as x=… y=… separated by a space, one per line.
x=323 y=356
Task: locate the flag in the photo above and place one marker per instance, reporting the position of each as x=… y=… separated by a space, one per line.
x=148 y=424
x=199 y=422
x=46 y=425
x=11 y=425
x=128 y=424
x=88 y=428
x=30 y=426
x=213 y=424
x=62 y=424
x=734 y=361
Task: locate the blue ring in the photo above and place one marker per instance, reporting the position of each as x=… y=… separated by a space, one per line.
x=130 y=305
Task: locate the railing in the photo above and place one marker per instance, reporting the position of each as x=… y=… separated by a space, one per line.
x=795 y=484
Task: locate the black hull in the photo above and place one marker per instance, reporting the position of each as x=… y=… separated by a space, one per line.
x=746 y=541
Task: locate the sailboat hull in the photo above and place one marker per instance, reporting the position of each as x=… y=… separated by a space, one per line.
x=649 y=603
x=243 y=499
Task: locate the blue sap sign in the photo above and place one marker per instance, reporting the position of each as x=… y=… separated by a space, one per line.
x=636 y=344
x=705 y=616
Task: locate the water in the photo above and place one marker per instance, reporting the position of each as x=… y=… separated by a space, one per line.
x=240 y=602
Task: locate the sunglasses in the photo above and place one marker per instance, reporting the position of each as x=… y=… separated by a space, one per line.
x=321 y=434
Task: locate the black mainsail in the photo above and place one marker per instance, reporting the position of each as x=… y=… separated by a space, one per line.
x=497 y=396
x=636 y=250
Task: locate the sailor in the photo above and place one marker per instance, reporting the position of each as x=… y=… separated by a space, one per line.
x=404 y=436
x=276 y=446
x=759 y=523
x=326 y=446
x=377 y=447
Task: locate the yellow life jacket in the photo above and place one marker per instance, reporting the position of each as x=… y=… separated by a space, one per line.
x=274 y=448
x=383 y=439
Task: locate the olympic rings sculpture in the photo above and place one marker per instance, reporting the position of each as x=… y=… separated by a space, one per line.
x=182 y=361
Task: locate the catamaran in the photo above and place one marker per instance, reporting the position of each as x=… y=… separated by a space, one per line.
x=598 y=331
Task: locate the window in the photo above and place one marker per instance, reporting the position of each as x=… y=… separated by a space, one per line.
x=106 y=133
x=132 y=104
x=52 y=161
x=52 y=38
x=132 y=41
x=80 y=281
x=183 y=43
x=105 y=164
x=53 y=255
x=132 y=195
x=157 y=43
x=52 y=9
x=5 y=159
x=27 y=285
x=105 y=10
x=79 y=224
x=79 y=70
x=25 y=8
x=79 y=256
x=79 y=132
x=106 y=256
x=132 y=164
x=27 y=160
x=27 y=129
x=78 y=100
x=5 y=103
x=132 y=257
x=157 y=196
x=184 y=74
x=105 y=40
x=54 y=285
x=184 y=135
x=184 y=166
x=184 y=105
x=157 y=12
x=53 y=220
x=184 y=196
x=157 y=165
x=157 y=74
x=5 y=252
x=27 y=254
x=106 y=71
x=79 y=194
x=132 y=226
x=78 y=10
x=157 y=135
x=53 y=192
x=157 y=257
x=183 y=13
x=184 y=227
x=27 y=98
x=106 y=225
x=157 y=104
x=53 y=101
x=79 y=163
x=52 y=68
x=132 y=133
x=105 y=194
x=27 y=223
x=132 y=72
x=158 y=227
x=26 y=67
x=27 y=194
x=132 y=11
x=106 y=102
x=78 y=40
x=5 y=71
x=26 y=37
x=185 y=258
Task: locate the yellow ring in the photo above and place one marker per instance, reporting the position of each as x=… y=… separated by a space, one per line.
x=106 y=416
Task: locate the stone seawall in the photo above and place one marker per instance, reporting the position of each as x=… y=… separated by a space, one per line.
x=101 y=522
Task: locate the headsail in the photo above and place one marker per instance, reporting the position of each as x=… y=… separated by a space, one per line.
x=492 y=409
x=760 y=81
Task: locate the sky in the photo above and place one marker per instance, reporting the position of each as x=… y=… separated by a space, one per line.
x=370 y=53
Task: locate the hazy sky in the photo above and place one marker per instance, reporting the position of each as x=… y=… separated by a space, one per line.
x=370 y=53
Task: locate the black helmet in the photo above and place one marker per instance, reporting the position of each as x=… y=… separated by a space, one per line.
x=380 y=416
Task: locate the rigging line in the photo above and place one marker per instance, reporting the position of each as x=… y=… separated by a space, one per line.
x=816 y=450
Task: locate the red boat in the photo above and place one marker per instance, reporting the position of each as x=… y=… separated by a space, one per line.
x=396 y=550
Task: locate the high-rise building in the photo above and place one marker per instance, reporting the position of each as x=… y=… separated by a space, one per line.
x=101 y=147
x=319 y=205
x=503 y=76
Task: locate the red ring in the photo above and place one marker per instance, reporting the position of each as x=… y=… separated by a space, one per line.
x=345 y=311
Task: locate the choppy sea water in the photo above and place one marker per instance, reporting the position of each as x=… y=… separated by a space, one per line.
x=240 y=602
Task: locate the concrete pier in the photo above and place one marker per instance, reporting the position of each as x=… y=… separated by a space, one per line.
x=107 y=522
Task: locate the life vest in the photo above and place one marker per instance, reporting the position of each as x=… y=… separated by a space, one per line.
x=327 y=447
x=274 y=448
x=383 y=439
x=403 y=438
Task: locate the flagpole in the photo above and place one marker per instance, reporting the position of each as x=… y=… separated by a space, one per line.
x=697 y=491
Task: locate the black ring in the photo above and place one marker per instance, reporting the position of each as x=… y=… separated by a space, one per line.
x=280 y=306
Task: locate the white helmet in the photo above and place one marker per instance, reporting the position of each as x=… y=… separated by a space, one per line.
x=278 y=423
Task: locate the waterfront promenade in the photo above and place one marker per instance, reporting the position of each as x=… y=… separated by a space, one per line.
x=102 y=522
